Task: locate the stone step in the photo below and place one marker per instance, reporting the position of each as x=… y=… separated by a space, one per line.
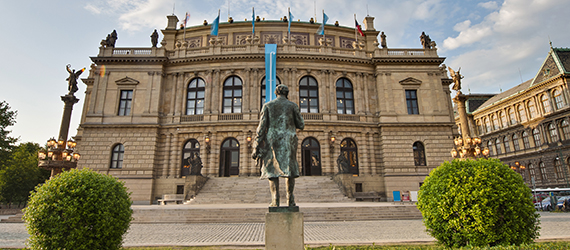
x=13 y=219
x=191 y=214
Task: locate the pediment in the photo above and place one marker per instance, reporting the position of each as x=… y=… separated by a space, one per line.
x=127 y=81
x=411 y=81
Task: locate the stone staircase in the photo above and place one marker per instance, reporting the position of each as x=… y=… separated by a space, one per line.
x=13 y=219
x=239 y=190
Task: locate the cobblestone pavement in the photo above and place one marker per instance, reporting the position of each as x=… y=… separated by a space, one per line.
x=554 y=226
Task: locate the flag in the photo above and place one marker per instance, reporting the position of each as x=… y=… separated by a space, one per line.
x=321 y=30
x=289 y=22
x=214 y=28
x=252 y=20
x=186 y=19
x=358 y=27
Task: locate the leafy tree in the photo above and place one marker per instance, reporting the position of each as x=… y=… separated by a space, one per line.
x=78 y=209
x=7 y=118
x=479 y=203
x=21 y=174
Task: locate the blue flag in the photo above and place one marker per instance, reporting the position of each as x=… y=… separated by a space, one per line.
x=214 y=28
x=321 y=30
x=270 y=61
x=289 y=23
x=252 y=20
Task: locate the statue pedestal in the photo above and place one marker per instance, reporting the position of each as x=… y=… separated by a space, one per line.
x=284 y=228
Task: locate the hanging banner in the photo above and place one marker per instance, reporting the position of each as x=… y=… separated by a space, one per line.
x=270 y=82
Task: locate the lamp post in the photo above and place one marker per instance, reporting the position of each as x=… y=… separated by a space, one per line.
x=61 y=153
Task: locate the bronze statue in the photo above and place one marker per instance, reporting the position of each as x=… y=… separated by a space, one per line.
x=111 y=39
x=426 y=41
x=456 y=77
x=72 y=79
x=383 y=40
x=343 y=164
x=154 y=38
x=276 y=144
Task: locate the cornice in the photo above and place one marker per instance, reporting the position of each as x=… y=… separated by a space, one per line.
x=129 y=60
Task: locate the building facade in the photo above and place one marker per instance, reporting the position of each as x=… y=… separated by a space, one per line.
x=149 y=111
x=528 y=126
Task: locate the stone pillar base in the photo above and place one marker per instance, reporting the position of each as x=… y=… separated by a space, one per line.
x=284 y=230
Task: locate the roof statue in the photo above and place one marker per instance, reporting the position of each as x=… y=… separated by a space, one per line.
x=456 y=77
x=72 y=79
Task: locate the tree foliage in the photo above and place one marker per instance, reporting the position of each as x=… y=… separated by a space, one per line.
x=479 y=203
x=7 y=118
x=21 y=174
x=78 y=209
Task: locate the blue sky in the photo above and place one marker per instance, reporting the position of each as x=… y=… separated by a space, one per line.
x=496 y=43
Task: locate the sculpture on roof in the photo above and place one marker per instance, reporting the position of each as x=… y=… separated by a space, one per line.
x=154 y=38
x=111 y=39
x=426 y=41
x=72 y=79
x=456 y=77
x=383 y=40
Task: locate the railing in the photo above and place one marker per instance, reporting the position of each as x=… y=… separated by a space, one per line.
x=145 y=52
x=230 y=117
x=192 y=118
x=353 y=118
x=406 y=52
x=310 y=116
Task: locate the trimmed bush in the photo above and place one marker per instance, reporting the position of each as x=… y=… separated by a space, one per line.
x=479 y=203
x=78 y=209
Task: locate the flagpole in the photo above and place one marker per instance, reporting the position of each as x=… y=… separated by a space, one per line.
x=355 y=30
x=289 y=30
x=324 y=36
x=253 y=23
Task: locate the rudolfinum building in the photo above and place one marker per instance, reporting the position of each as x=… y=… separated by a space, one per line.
x=148 y=110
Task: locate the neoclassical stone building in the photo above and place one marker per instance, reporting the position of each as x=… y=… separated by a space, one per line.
x=148 y=110
x=528 y=126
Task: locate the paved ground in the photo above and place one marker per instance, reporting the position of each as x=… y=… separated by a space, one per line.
x=554 y=226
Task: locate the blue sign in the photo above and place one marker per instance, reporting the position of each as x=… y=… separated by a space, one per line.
x=270 y=77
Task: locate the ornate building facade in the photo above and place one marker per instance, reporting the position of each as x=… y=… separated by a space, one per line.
x=528 y=126
x=149 y=111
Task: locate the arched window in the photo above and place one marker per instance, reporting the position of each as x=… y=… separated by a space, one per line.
x=419 y=154
x=344 y=97
x=117 y=156
x=558 y=99
x=522 y=113
x=195 y=97
x=311 y=151
x=498 y=145
x=308 y=95
x=229 y=158
x=480 y=127
x=504 y=121
x=536 y=136
x=490 y=147
x=487 y=125
x=553 y=132
x=565 y=129
x=495 y=122
x=542 y=169
x=531 y=109
x=545 y=103
x=531 y=171
x=350 y=151
x=232 y=95
x=506 y=144
x=559 y=173
x=263 y=86
x=526 y=142
x=512 y=116
x=190 y=151
x=516 y=144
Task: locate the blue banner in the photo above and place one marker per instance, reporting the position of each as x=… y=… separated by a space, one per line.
x=270 y=82
x=214 y=28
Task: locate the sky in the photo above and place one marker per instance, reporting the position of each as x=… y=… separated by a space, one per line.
x=498 y=44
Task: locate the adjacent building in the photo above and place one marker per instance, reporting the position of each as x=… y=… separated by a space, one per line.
x=148 y=111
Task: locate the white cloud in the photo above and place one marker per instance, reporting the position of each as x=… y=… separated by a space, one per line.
x=93 y=9
x=491 y=5
x=462 y=25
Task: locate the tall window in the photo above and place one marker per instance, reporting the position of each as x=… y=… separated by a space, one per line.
x=503 y=119
x=232 y=95
x=498 y=145
x=490 y=147
x=545 y=103
x=531 y=109
x=506 y=143
x=311 y=156
x=419 y=154
x=344 y=97
x=553 y=132
x=262 y=98
x=125 y=102
x=412 y=102
x=512 y=116
x=495 y=122
x=516 y=144
x=542 y=169
x=350 y=151
x=536 y=136
x=565 y=129
x=308 y=95
x=558 y=99
x=190 y=151
x=195 y=97
x=559 y=173
x=531 y=171
x=117 y=156
x=487 y=125
x=526 y=142
x=480 y=127
x=522 y=113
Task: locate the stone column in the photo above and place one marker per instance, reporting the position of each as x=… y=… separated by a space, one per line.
x=460 y=101
x=69 y=101
x=166 y=169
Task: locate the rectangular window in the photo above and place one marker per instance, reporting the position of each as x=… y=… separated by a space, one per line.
x=412 y=102
x=125 y=102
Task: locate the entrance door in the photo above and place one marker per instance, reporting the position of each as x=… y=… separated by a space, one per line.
x=311 y=157
x=229 y=162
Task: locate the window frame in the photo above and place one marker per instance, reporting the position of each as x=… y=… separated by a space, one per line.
x=125 y=103
x=307 y=105
x=117 y=156
x=344 y=100
x=412 y=103
x=545 y=103
x=234 y=108
x=506 y=144
x=419 y=153
x=553 y=132
x=196 y=90
x=536 y=137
